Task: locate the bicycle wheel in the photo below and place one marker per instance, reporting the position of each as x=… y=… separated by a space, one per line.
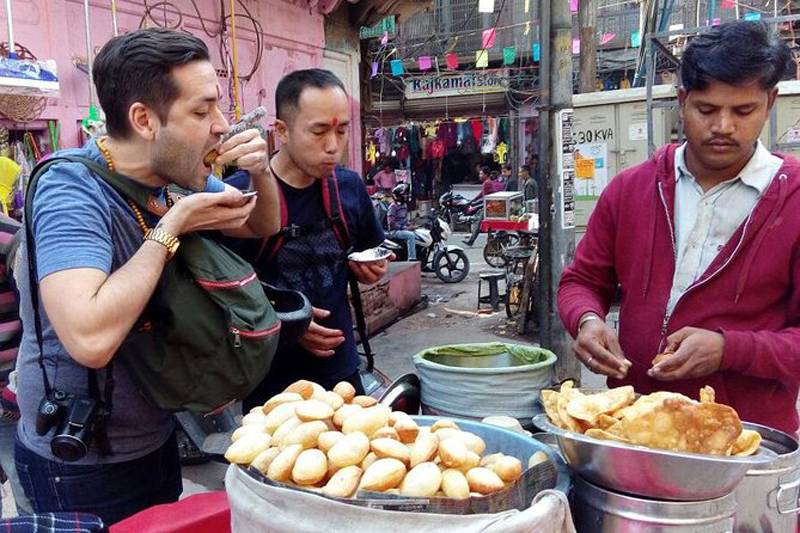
x=494 y=248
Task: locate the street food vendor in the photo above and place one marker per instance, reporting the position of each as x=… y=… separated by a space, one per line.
x=703 y=243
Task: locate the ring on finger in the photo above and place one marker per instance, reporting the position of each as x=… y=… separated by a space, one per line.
x=589 y=361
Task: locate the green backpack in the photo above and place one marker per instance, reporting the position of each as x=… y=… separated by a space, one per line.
x=209 y=333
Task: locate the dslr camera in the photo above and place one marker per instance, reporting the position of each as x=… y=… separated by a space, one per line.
x=75 y=420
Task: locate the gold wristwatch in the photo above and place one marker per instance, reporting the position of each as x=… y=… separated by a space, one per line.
x=169 y=241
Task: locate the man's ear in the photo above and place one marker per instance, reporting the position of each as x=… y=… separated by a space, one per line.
x=281 y=130
x=143 y=120
x=682 y=95
x=773 y=95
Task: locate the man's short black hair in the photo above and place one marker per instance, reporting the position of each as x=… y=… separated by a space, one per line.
x=526 y=168
x=287 y=95
x=137 y=67
x=735 y=53
x=507 y=167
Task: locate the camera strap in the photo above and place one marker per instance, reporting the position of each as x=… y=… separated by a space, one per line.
x=104 y=408
x=104 y=402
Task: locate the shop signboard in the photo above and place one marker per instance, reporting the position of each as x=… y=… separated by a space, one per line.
x=387 y=26
x=457 y=84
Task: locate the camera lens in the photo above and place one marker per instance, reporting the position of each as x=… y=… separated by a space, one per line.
x=68 y=448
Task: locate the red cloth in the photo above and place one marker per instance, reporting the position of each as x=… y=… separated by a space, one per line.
x=477 y=129
x=752 y=298
x=437 y=149
x=503 y=225
x=207 y=512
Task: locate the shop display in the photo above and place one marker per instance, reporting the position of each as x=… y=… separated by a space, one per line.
x=339 y=444
x=503 y=205
x=661 y=420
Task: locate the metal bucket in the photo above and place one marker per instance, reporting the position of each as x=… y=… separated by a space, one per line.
x=767 y=497
x=477 y=380
x=597 y=510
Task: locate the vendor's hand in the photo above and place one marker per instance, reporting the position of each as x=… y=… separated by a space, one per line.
x=207 y=211
x=247 y=150
x=319 y=340
x=598 y=348
x=369 y=273
x=697 y=353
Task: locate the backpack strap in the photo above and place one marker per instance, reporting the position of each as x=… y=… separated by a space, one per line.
x=105 y=402
x=332 y=204
x=333 y=208
x=270 y=245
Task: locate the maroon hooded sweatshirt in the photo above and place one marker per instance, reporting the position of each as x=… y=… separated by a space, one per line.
x=750 y=292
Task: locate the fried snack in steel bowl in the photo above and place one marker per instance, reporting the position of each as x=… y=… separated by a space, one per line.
x=661 y=420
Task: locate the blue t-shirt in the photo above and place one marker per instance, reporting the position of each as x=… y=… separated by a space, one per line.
x=81 y=222
x=315 y=264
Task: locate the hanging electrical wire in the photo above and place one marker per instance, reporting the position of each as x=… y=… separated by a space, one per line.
x=237 y=111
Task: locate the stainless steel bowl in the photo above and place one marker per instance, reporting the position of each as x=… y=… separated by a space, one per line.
x=651 y=473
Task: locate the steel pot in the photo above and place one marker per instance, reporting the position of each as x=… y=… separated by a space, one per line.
x=597 y=510
x=767 y=497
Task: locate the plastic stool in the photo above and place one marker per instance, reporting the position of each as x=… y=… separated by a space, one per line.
x=494 y=297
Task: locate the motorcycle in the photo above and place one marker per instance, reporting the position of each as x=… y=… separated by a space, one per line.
x=449 y=263
x=458 y=210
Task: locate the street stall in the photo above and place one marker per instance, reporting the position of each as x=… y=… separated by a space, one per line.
x=665 y=462
x=311 y=459
x=437 y=153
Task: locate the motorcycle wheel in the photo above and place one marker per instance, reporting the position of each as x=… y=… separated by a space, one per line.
x=451 y=266
x=494 y=248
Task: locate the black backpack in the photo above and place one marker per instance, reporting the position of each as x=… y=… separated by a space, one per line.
x=332 y=205
x=209 y=333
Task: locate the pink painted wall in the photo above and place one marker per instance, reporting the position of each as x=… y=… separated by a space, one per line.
x=294 y=38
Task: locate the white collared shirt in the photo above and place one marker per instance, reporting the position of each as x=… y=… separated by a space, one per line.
x=706 y=221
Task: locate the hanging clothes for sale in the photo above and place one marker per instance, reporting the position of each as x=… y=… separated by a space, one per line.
x=469 y=146
x=413 y=139
x=504 y=134
x=477 y=129
x=447 y=133
x=501 y=153
x=431 y=130
x=438 y=149
x=384 y=143
x=372 y=153
x=490 y=138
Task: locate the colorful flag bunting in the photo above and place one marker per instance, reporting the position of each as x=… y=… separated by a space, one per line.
x=481 y=58
x=537 y=52
x=374 y=69
x=451 y=60
x=485 y=6
x=607 y=38
x=487 y=40
x=425 y=62
x=636 y=39
x=509 y=55
x=397 y=67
